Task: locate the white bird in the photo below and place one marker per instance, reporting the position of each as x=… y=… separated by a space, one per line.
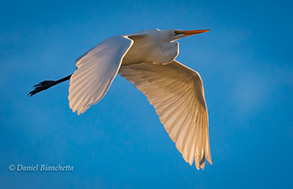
x=147 y=59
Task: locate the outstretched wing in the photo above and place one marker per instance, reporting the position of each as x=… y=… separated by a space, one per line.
x=95 y=72
x=177 y=94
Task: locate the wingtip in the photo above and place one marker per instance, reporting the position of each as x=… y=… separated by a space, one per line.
x=209 y=159
x=202 y=165
x=197 y=166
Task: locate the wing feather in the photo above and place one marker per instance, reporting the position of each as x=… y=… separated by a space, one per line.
x=177 y=94
x=95 y=72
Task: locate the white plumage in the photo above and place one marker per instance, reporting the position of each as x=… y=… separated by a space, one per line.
x=96 y=70
x=147 y=59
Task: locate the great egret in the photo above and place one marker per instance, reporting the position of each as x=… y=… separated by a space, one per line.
x=147 y=59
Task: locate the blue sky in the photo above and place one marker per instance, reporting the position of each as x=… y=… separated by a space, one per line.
x=245 y=64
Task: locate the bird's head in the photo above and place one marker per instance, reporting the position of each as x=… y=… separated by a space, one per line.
x=173 y=35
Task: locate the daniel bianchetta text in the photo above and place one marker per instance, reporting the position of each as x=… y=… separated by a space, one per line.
x=41 y=168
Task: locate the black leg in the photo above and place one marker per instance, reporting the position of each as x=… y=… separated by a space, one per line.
x=47 y=84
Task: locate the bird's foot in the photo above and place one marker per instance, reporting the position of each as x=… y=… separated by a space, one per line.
x=42 y=86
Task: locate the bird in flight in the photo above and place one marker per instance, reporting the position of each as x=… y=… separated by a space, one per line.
x=147 y=59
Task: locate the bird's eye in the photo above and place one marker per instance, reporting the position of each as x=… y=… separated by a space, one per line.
x=176 y=32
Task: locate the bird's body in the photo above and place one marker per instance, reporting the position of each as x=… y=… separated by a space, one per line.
x=150 y=48
x=147 y=59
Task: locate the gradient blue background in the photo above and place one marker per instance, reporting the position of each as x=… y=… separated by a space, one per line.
x=245 y=62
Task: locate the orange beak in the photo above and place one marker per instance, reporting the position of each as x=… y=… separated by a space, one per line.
x=193 y=32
